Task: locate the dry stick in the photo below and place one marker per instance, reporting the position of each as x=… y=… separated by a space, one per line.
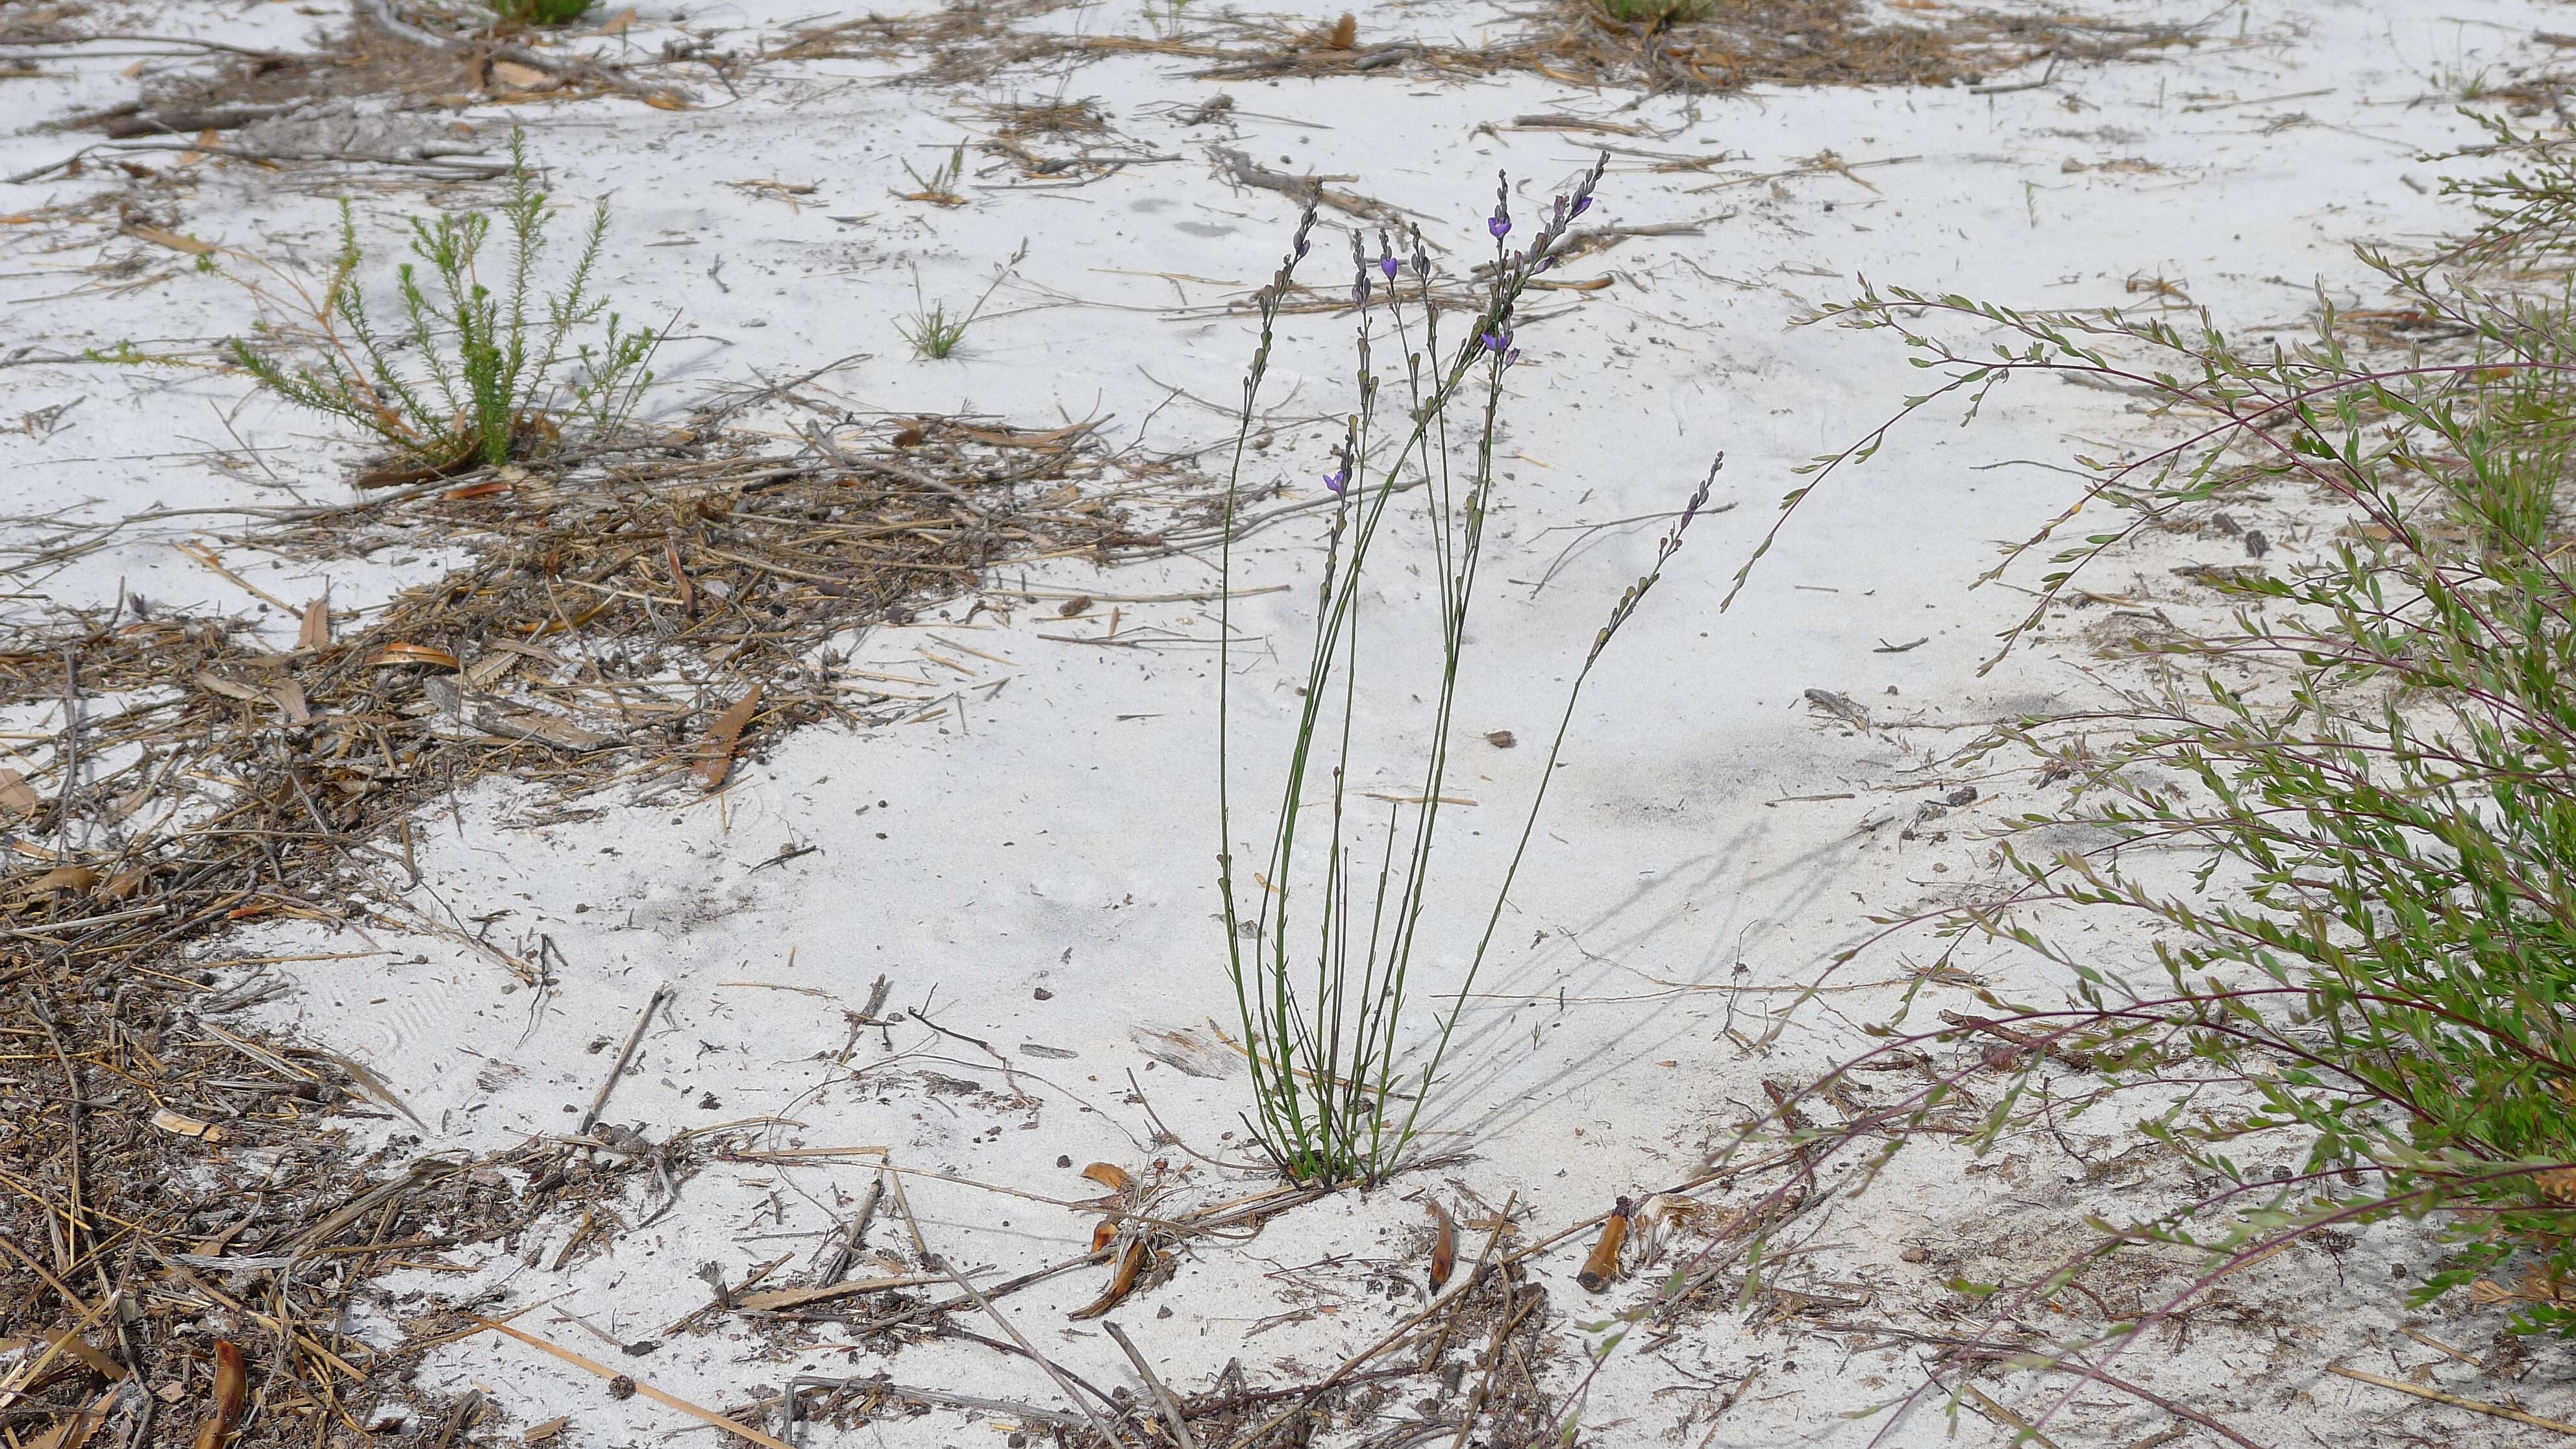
x=253 y=53
x=2139 y=1391
x=2478 y=1406
x=934 y=1398
x=903 y=1205
x=1162 y=1396
x=1063 y=1385
x=856 y=1236
x=71 y=753
x=634 y=1039
x=1013 y=1285
x=668 y=1401
x=2006 y=1417
x=73 y=1221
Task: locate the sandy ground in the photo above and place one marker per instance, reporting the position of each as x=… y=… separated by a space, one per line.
x=1029 y=866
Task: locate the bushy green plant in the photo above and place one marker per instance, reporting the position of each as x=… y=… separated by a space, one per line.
x=1324 y=999
x=2367 y=956
x=471 y=370
x=540 y=12
x=1655 y=13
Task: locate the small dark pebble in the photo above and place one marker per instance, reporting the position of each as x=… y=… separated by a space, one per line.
x=1064 y=1162
x=642 y=1347
x=1044 y=995
x=2256 y=545
x=621 y=1387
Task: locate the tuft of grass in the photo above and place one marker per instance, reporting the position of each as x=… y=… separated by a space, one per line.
x=934 y=331
x=939 y=188
x=467 y=371
x=1341 y=1067
x=2348 y=824
x=540 y=12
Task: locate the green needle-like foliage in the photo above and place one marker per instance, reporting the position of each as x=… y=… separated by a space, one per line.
x=470 y=370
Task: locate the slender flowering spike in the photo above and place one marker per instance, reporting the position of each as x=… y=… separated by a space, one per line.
x=1591 y=178
x=1421 y=255
x=1340 y=477
x=1359 y=272
x=1500 y=223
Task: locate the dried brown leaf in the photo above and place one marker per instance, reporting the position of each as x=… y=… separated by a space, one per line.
x=231 y=1386
x=315 y=632
x=289 y=698
x=403 y=653
x=715 y=758
x=180 y=1125
x=77 y=879
x=1121 y=1282
x=214 y=683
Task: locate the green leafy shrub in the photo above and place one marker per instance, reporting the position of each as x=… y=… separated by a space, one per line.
x=1655 y=14
x=470 y=370
x=2347 y=826
x=540 y=12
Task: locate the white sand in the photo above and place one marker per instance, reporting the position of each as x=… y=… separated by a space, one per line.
x=1054 y=830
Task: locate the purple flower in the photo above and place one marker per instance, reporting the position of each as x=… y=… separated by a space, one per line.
x=1339 y=478
x=1500 y=224
x=1387 y=265
x=1495 y=341
x=1582 y=203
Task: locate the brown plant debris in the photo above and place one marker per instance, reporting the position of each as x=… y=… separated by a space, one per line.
x=636 y=618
